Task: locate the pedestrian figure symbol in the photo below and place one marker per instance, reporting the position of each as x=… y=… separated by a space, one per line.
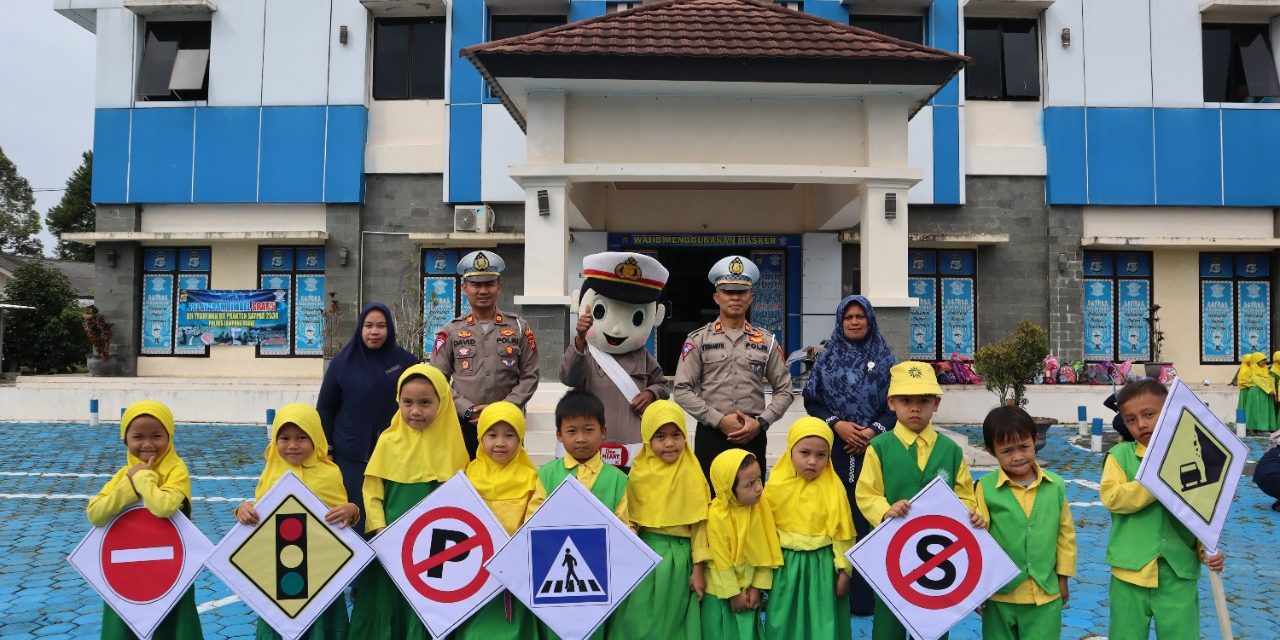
x=570 y=565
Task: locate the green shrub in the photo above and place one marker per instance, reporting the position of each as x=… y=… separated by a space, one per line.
x=49 y=338
x=1007 y=365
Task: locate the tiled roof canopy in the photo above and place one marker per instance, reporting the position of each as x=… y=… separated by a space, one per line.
x=714 y=40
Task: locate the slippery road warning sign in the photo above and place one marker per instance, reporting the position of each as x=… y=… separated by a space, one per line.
x=932 y=567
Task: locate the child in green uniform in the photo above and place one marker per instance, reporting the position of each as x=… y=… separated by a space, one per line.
x=744 y=549
x=901 y=462
x=1257 y=393
x=155 y=475
x=580 y=429
x=667 y=498
x=420 y=450
x=505 y=477
x=1027 y=513
x=1154 y=561
x=815 y=528
x=298 y=444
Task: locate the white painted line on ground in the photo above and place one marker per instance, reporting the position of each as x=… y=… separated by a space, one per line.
x=1086 y=504
x=141 y=554
x=64 y=474
x=214 y=604
x=85 y=496
x=1088 y=484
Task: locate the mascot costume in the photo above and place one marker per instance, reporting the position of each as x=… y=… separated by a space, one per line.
x=619 y=309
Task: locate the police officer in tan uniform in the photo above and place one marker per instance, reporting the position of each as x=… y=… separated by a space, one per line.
x=723 y=367
x=488 y=354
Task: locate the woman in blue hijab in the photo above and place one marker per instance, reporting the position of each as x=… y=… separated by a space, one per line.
x=848 y=389
x=358 y=395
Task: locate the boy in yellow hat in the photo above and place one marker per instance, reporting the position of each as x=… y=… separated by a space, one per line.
x=900 y=462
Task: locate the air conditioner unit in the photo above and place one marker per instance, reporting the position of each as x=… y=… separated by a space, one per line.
x=472 y=218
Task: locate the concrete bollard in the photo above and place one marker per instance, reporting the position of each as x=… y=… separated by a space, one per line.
x=93 y=412
x=271 y=419
x=1096 y=441
x=1082 y=414
x=1240 y=424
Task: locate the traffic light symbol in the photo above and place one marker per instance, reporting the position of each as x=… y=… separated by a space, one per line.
x=291 y=556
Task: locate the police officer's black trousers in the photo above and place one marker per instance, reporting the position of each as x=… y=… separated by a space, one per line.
x=709 y=442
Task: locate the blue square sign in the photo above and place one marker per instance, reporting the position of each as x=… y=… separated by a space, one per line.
x=569 y=565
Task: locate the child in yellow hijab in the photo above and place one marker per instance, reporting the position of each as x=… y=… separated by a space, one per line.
x=419 y=451
x=815 y=527
x=298 y=444
x=743 y=540
x=154 y=474
x=667 y=500
x=1257 y=393
x=505 y=477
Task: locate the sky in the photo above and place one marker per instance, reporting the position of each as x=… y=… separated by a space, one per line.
x=46 y=97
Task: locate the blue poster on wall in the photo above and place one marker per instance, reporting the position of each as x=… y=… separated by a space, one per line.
x=440 y=262
x=957 y=316
x=276 y=345
x=188 y=341
x=769 y=310
x=234 y=317
x=1134 y=303
x=1217 y=311
x=924 y=321
x=1254 y=316
x=439 y=299
x=158 y=259
x=308 y=304
x=1099 y=314
x=157 y=315
x=275 y=259
x=309 y=258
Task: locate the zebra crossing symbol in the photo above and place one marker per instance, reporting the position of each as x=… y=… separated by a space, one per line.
x=570 y=565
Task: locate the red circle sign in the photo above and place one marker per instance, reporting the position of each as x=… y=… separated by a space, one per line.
x=141 y=556
x=962 y=541
x=415 y=569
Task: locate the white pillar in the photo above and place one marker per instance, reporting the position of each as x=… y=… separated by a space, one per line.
x=546 y=231
x=884 y=244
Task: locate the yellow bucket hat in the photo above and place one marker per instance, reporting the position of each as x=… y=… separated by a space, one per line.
x=911 y=378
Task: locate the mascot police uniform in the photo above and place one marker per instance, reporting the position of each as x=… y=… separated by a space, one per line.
x=618 y=310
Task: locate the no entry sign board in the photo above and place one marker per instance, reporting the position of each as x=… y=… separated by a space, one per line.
x=435 y=553
x=932 y=567
x=141 y=564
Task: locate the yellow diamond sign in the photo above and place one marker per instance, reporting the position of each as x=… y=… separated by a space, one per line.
x=291 y=556
x=1196 y=465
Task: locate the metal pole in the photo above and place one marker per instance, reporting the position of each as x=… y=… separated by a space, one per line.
x=1 y=343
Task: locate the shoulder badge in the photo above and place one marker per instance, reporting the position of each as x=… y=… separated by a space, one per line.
x=718 y=328
x=687 y=349
x=528 y=337
x=471 y=318
x=441 y=338
x=497 y=318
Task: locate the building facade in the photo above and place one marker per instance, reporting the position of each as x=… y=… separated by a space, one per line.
x=1095 y=158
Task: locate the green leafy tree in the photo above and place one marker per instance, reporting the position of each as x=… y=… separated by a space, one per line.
x=19 y=222
x=75 y=212
x=1006 y=366
x=49 y=338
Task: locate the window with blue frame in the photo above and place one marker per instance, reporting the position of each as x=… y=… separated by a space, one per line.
x=165 y=271
x=908 y=28
x=1117 y=303
x=442 y=298
x=1235 y=306
x=300 y=270
x=942 y=323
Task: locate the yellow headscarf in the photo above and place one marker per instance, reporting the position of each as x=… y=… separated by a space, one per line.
x=318 y=472
x=407 y=455
x=1254 y=373
x=518 y=478
x=661 y=494
x=168 y=466
x=818 y=507
x=1275 y=363
x=739 y=536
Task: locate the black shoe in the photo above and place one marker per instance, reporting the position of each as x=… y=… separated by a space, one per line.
x=1275 y=506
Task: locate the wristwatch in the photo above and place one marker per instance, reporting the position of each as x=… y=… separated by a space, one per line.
x=466 y=415
x=831 y=422
x=764 y=423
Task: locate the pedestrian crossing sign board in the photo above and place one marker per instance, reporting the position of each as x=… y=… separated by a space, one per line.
x=1193 y=464
x=291 y=565
x=570 y=565
x=573 y=562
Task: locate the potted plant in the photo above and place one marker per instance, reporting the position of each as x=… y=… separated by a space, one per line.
x=1156 y=335
x=99 y=332
x=1008 y=365
x=332 y=339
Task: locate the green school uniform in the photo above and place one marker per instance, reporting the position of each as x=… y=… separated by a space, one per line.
x=661 y=606
x=331 y=625
x=903 y=478
x=720 y=621
x=1032 y=544
x=803 y=601
x=491 y=623
x=609 y=488
x=182 y=623
x=1259 y=409
x=380 y=611
x=1175 y=602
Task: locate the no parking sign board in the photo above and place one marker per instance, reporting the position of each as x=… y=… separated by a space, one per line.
x=141 y=564
x=932 y=567
x=435 y=553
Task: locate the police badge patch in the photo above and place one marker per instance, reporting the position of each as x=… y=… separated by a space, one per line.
x=441 y=338
x=687 y=349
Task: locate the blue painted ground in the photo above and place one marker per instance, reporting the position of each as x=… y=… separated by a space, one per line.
x=42 y=596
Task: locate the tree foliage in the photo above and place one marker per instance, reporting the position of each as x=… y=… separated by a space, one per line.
x=1007 y=365
x=75 y=212
x=19 y=222
x=49 y=338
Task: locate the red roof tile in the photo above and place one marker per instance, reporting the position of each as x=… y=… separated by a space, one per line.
x=714 y=29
